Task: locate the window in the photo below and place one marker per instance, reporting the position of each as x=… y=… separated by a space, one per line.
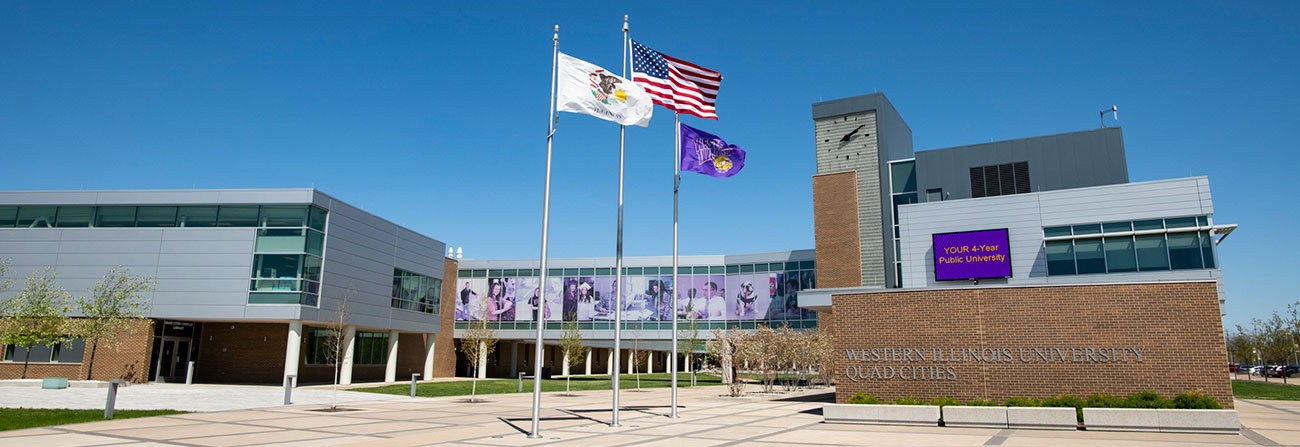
x=413 y=291
x=237 y=216
x=115 y=216
x=36 y=216
x=1000 y=180
x=156 y=216
x=197 y=216
x=1207 y=249
x=1060 y=258
x=283 y=216
x=371 y=348
x=8 y=215
x=1151 y=252
x=1089 y=256
x=1185 y=251
x=1120 y=256
x=75 y=216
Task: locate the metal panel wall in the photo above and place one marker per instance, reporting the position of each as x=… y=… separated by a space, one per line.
x=1062 y=161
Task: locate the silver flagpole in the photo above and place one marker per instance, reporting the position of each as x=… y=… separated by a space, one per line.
x=540 y=319
x=677 y=182
x=618 y=252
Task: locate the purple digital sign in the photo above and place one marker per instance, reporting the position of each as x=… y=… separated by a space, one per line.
x=972 y=255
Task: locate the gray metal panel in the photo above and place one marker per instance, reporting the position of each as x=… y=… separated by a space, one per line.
x=1061 y=161
x=1025 y=215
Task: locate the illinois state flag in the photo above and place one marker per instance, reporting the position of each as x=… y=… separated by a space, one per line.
x=707 y=154
x=589 y=89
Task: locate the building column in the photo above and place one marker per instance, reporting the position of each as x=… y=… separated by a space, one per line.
x=428 y=356
x=687 y=366
x=565 y=369
x=292 y=350
x=650 y=363
x=349 y=348
x=514 y=359
x=609 y=362
x=482 y=360
x=589 y=353
x=390 y=370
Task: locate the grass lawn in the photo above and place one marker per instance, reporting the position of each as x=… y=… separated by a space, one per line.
x=16 y=418
x=1261 y=390
x=504 y=386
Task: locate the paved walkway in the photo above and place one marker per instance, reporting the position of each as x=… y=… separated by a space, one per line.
x=706 y=420
x=175 y=397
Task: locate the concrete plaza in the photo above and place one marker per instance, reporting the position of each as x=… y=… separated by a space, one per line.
x=502 y=420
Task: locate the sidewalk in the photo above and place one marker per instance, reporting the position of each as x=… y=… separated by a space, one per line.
x=706 y=420
x=164 y=396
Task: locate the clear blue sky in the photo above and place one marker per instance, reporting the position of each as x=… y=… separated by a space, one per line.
x=433 y=114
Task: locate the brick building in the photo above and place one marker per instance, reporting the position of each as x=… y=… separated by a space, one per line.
x=1021 y=268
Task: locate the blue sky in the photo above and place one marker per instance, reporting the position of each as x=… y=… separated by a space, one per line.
x=432 y=114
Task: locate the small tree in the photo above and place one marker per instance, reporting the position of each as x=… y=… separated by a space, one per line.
x=688 y=340
x=765 y=355
x=1240 y=346
x=825 y=352
x=37 y=316
x=480 y=341
x=571 y=345
x=336 y=340
x=115 y=306
x=1275 y=342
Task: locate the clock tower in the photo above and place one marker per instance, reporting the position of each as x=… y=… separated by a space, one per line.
x=855 y=139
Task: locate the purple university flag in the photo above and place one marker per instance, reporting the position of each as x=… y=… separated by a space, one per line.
x=707 y=154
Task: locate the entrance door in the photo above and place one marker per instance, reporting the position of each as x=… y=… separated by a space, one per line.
x=173 y=359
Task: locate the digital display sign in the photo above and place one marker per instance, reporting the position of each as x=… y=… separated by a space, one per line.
x=972 y=255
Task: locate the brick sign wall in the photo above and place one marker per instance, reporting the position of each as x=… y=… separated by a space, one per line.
x=998 y=343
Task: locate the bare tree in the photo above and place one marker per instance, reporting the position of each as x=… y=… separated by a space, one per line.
x=729 y=348
x=37 y=316
x=335 y=343
x=115 y=306
x=480 y=341
x=825 y=356
x=571 y=346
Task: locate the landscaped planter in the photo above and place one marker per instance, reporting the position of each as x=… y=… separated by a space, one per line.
x=980 y=417
x=1042 y=418
x=881 y=414
x=1199 y=421
x=1121 y=419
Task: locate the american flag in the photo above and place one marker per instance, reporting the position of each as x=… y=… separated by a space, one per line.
x=674 y=83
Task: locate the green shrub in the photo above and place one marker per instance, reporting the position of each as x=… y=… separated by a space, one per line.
x=861 y=399
x=1064 y=400
x=981 y=403
x=1022 y=402
x=908 y=401
x=1195 y=400
x=944 y=401
x=1105 y=401
x=1147 y=399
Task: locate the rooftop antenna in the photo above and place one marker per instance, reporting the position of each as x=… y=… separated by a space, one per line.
x=451 y=252
x=460 y=252
x=1113 y=109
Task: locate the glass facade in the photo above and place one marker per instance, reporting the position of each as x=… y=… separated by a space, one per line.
x=287 y=254
x=902 y=188
x=1181 y=243
x=115 y=216
x=722 y=296
x=413 y=291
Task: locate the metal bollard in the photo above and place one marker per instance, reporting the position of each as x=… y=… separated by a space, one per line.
x=112 y=398
x=414 y=377
x=520 y=375
x=189 y=373
x=692 y=378
x=288 y=387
